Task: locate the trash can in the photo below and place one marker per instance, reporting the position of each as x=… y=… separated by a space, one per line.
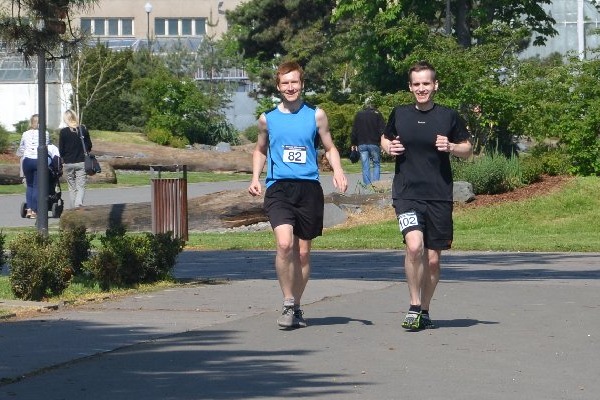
x=169 y=200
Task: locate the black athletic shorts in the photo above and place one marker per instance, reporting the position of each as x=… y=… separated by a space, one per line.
x=299 y=203
x=433 y=218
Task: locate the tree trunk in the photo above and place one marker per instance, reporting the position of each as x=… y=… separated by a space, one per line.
x=463 y=23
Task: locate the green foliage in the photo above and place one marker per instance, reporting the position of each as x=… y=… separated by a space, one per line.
x=176 y=105
x=39 y=266
x=100 y=77
x=340 y=119
x=494 y=173
x=22 y=126
x=76 y=244
x=552 y=160
x=532 y=169
x=562 y=101
x=127 y=260
x=251 y=133
x=4 y=141
x=159 y=136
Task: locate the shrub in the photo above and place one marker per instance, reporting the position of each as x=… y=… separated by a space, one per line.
x=553 y=160
x=531 y=169
x=178 y=142
x=4 y=142
x=490 y=174
x=251 y=133
x=160 y=255
x=117 y=261
x=126 y=260
x=159 y=136
x=22 y=126
x=39 y=266
x=77 y=245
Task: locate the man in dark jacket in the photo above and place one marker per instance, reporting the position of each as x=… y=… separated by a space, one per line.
x=366 y=136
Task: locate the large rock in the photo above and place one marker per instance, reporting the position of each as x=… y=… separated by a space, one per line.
x=463 y=192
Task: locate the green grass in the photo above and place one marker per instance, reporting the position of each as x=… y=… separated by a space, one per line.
x=562 y=221
x=557 y=222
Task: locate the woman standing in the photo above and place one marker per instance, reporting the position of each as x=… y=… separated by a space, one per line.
x=28 y=149
x=71 y=150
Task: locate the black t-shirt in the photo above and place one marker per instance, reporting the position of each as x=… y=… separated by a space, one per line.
x=367 y=127
x=423 y=172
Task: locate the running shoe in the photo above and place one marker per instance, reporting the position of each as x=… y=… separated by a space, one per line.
x=426 y=322
x=299 y=322
x=412 y=320
x=287 y=318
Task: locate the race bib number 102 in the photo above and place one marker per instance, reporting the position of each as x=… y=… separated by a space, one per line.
x=294 y=154
x=407 y=220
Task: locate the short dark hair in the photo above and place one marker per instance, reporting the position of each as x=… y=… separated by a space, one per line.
x=422 y=66
x=286 y=68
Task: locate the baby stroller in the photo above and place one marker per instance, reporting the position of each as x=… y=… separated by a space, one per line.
x=55 y=201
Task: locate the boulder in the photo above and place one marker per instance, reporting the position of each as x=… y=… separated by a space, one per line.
x=463 y=192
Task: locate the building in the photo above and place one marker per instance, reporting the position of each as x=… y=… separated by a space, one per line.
x=120 y=24
x=576 y=21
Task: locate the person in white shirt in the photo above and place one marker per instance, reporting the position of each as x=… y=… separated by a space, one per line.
x=28 y=149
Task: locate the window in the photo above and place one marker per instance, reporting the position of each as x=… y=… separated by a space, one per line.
x=180 y=26
x=186 y=27
x=126 y=27
x=86 y=25
x=107 y=26
x=159 y=26
x=173 y=27
x=200 y=26
x=113 y=27
x=98 y=27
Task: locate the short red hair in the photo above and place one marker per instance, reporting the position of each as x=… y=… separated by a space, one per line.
x=286 y=68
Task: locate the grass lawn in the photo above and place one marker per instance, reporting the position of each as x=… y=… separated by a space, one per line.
x=557 y=222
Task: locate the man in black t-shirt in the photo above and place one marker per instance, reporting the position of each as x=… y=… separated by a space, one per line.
x=367 y=128
x=422 y=136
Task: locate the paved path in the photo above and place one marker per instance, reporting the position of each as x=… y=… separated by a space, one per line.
x=11 y=204
x=511 y=326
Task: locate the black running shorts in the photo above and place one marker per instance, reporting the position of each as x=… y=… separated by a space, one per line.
x=433 y=218
x=299 y=203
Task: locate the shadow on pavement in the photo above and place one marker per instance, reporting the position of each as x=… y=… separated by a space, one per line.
x=388 y=265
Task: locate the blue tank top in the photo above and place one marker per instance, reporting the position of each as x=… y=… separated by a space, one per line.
x=293 y=140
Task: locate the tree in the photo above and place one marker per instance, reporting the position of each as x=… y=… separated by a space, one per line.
x=177 y=106
x=98 y=76
x=469 y=15
x=270 y=31
x=31 y=26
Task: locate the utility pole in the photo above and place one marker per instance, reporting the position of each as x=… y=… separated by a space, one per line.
x=42 y=154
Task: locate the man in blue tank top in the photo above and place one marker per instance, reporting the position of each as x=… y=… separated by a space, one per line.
x=287 y=142
x=422 y=136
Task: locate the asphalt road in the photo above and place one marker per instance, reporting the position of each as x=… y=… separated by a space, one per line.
x=11 y=204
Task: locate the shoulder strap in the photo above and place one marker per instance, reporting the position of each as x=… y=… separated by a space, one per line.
x=82 y=142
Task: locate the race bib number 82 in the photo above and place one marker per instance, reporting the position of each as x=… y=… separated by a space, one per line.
x=294 y=154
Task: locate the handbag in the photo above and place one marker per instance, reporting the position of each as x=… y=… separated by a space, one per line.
x=354 y=156
x=90 y=163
